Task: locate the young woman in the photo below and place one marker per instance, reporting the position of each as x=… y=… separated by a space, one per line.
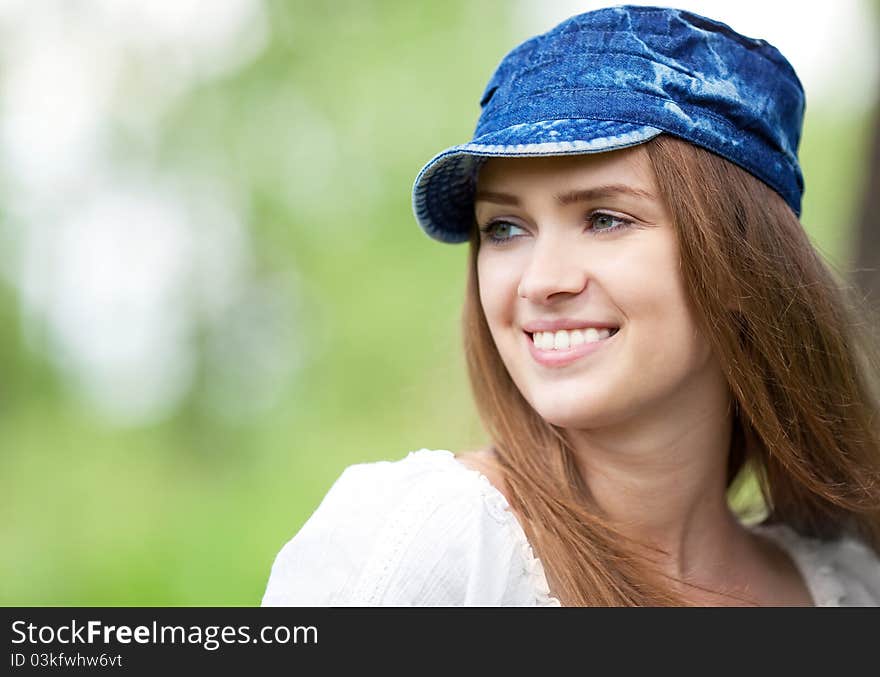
x=647 y=329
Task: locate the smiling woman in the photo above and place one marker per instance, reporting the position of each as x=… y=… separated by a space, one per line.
x=605 y=230
x=647 y=328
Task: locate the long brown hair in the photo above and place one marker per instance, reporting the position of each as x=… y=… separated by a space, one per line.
x=798 y=357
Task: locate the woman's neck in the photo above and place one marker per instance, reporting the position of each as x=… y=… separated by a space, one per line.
x=663 y=480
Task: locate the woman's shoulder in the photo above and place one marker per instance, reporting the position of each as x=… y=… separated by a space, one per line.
x=425 y=483
x=839 y=572
x=423 y=530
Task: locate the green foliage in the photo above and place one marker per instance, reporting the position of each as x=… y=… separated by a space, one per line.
x=319 y=139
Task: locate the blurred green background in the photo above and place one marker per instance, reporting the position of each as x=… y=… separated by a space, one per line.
x=306 y=322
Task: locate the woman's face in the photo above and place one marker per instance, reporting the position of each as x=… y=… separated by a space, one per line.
x=584 y=243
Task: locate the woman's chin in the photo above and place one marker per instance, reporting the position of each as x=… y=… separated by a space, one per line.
x=577 y=418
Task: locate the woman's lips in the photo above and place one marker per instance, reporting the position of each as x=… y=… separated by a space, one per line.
x=560 y=358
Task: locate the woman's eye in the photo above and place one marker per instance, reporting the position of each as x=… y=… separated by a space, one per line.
x=499 y=231
x=602 y=221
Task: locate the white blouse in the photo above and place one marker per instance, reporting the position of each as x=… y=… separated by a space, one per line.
x=429 y=531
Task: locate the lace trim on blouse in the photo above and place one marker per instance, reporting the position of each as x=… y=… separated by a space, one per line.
x=498 y=507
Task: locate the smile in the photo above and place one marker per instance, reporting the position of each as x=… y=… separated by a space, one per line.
x=564 y=347
x=563 y=339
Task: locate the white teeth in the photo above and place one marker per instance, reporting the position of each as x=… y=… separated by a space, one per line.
x=564 y=339
x=560 y=341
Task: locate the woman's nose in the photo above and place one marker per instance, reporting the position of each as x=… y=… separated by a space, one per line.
x=554 y=268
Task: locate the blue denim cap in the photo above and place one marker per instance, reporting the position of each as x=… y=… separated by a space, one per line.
x=618 y=77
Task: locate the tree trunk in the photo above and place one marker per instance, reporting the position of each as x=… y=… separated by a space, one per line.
x=867 y=239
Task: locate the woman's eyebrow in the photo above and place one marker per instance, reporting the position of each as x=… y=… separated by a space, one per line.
x=599 y=192
x=496 y=197
x=579 y=195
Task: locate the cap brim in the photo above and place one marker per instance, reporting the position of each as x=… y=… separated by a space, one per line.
x=443 y=191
